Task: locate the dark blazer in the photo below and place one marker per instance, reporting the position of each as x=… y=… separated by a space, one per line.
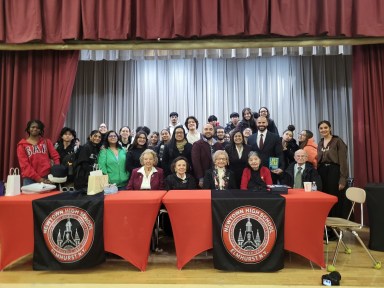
x=168 y=157
x=309 y=175
x=209 y=182
x=172 y=182
x=236 y=164
x=157 y=180
x=272 y=148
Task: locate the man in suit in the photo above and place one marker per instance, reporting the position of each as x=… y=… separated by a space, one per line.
x=267 y=145
x=301 y=171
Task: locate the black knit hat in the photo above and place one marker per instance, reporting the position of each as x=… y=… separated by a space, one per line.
x=58 y=174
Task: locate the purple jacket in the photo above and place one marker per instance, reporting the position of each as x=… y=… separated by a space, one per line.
x=157 y=180
x=202 y=157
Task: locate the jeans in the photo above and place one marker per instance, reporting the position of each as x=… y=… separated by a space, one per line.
x=27 y=181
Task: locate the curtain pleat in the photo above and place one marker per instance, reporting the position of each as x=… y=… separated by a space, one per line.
x=368 y=107
x=48 y=21
x=34 y=85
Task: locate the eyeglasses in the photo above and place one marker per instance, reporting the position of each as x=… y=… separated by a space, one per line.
x=68 y=189
x=301 y=156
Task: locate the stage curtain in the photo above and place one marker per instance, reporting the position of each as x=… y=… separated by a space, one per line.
x=56 y=21
x=297 y=90
x=349 y=18
x=368 y=107
x=33 y=85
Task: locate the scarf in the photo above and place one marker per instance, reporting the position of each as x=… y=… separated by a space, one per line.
x=180 y=145
x=221 y=178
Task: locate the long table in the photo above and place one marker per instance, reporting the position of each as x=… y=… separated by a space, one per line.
x=191 y=219
x=129 y=218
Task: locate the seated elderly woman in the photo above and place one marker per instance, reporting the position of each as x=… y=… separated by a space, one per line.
x=219 y=178
x=180 y=179
x=255 y=176
x=147 y=177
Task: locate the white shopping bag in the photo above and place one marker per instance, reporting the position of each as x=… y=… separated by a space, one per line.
x=96 y=181
x=13 y=182
x=96 y=184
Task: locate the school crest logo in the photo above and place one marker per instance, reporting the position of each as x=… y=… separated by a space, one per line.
x=69 y=233
x=248 y=234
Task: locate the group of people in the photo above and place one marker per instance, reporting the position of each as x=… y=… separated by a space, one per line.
x=246 y=154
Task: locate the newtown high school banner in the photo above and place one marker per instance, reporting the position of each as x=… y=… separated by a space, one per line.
x=248 y=231
x=68 y=231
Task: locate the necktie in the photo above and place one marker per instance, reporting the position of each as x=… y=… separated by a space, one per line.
x=261 y=142
x=298 y=178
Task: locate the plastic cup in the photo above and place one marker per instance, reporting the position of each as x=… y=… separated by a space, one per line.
x=307 y=186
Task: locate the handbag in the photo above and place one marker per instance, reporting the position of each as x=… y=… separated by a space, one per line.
x=13 y=182
x=96 y=182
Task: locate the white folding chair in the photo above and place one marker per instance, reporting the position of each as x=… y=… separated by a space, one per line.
x=341 y=225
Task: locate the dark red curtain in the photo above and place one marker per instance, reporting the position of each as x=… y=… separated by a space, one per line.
x=368 y=107
x=50 y=21
x=33 y=85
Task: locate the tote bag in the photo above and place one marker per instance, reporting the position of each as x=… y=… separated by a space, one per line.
x=96 y=182
x=13 y=182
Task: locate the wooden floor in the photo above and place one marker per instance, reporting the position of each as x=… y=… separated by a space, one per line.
x=355 y=269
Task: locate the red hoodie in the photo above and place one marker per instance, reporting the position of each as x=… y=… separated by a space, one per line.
x=35 y=160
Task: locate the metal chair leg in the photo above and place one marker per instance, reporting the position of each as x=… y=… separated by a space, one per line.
x=340 y=236
x=376 y=264
x=346 y=249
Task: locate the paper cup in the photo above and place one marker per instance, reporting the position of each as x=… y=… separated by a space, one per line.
x=307 y=186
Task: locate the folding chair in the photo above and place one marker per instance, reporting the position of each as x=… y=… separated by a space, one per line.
x=340 y=225
x=156 y=231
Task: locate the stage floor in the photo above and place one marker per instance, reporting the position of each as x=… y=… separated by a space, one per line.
x=355 y=269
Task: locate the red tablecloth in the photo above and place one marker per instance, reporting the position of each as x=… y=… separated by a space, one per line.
x=191 y=219
x=129 y=218
x=16 y=227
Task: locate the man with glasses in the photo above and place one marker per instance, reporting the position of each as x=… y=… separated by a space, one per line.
x=301 y=171
x=220 y=136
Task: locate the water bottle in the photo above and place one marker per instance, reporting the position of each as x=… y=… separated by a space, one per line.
x=314 y=186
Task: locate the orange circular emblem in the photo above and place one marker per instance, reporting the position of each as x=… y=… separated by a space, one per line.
x=68 y=233
x=249 y=234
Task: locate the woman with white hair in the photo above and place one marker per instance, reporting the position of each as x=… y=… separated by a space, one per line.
x=219 y=177
x=255 y=177
x=147 y=177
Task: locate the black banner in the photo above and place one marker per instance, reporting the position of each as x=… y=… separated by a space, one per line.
x=68 y=231
x=248 y=231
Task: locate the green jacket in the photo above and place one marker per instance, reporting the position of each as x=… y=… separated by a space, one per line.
x=114 y=168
